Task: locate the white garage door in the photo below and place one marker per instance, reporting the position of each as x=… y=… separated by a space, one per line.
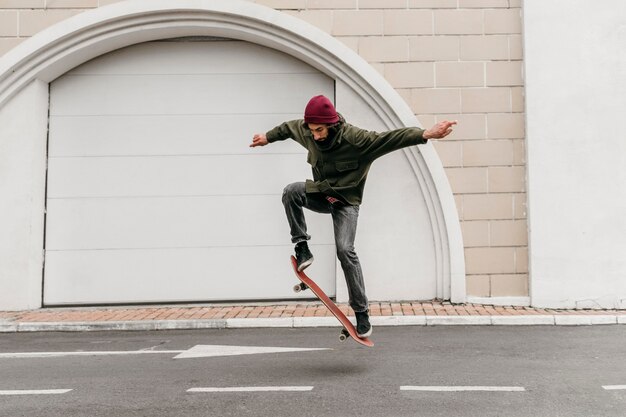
x=153 y=193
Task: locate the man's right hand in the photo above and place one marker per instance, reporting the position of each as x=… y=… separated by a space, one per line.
x=259 y=139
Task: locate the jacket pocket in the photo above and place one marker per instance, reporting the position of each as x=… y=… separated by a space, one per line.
x=346 y=165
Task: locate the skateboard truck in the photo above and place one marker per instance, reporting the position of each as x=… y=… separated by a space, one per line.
x=348 y=329
x=344 y=335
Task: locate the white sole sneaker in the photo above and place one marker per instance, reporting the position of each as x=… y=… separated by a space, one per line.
x=368 y=334
x=305 y=265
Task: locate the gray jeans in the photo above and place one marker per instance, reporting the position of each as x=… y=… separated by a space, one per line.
x=345 y=219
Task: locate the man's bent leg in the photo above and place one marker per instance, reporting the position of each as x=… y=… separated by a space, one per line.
x=295 y=199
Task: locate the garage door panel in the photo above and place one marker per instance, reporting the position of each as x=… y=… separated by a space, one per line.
x=174 y=175
x=218 y=57
x=184 y=94
x=192 y=274
x=174 y=222
x=165 y=135
x=154 y=194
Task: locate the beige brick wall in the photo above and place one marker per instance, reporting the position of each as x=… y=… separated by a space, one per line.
x=448 y=59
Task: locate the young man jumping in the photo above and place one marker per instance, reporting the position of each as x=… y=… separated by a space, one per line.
x=340 y=156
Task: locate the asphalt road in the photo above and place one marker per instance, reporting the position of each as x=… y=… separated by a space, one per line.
x=412 y=371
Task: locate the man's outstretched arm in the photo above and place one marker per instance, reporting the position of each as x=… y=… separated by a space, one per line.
x=378 y=144
x=293 y=129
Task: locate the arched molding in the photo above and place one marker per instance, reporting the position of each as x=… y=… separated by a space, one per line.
x=58 y=49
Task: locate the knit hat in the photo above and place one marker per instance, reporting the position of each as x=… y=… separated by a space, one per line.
x=320 y=110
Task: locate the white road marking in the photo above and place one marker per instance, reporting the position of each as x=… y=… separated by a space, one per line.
x=249 y=389
x=445 y=388
x=35 y=392
x=614 y=387
x=204 y=351
x=198 y=351
x=82 y=353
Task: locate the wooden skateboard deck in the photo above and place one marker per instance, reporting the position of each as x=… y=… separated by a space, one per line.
x=348 y=328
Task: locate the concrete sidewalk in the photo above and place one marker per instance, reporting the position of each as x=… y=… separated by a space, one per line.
x=296 y=314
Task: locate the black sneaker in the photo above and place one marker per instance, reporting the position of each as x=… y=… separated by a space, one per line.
x=363 y=326
x=304 y=257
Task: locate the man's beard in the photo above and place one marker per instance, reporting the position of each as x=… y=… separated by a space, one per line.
x=328 y=142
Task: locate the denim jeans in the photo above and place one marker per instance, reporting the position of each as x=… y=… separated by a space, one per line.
x=345 y=219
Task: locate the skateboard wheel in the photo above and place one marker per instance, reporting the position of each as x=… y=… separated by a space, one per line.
x=300 y=287
x=344 y=335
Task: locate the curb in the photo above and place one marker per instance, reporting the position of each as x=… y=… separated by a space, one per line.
x=303 y=322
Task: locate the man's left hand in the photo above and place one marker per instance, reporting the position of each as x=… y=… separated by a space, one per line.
x=440 y=130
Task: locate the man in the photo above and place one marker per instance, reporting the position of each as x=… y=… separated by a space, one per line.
x=340 y=155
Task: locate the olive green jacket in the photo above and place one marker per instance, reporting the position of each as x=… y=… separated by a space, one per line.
x=341 y=170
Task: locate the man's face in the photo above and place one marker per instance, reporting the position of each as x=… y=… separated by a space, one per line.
x=319 y=131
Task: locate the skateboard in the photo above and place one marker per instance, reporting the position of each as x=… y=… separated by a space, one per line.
x=348 y=329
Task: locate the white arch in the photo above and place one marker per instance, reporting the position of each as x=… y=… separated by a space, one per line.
x=54 y=51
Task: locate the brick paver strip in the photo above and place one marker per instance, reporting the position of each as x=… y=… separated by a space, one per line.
x=306 y=309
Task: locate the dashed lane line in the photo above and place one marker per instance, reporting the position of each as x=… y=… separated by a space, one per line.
x=250 y=389
x=35 y=391
x=452 y=388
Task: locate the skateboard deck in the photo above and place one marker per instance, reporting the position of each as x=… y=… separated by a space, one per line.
x=348 y=327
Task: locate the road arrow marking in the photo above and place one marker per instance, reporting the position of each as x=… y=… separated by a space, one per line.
x=198 y=351
x=205 y=351
x=82 y=353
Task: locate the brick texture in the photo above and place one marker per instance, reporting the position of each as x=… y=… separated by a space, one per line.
x=8 y=23
x=22 y=4
x=480 y=285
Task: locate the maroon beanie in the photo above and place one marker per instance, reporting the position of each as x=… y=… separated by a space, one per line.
x=320 y=110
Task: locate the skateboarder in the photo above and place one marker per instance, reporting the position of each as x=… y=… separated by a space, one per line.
x=340 y=155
